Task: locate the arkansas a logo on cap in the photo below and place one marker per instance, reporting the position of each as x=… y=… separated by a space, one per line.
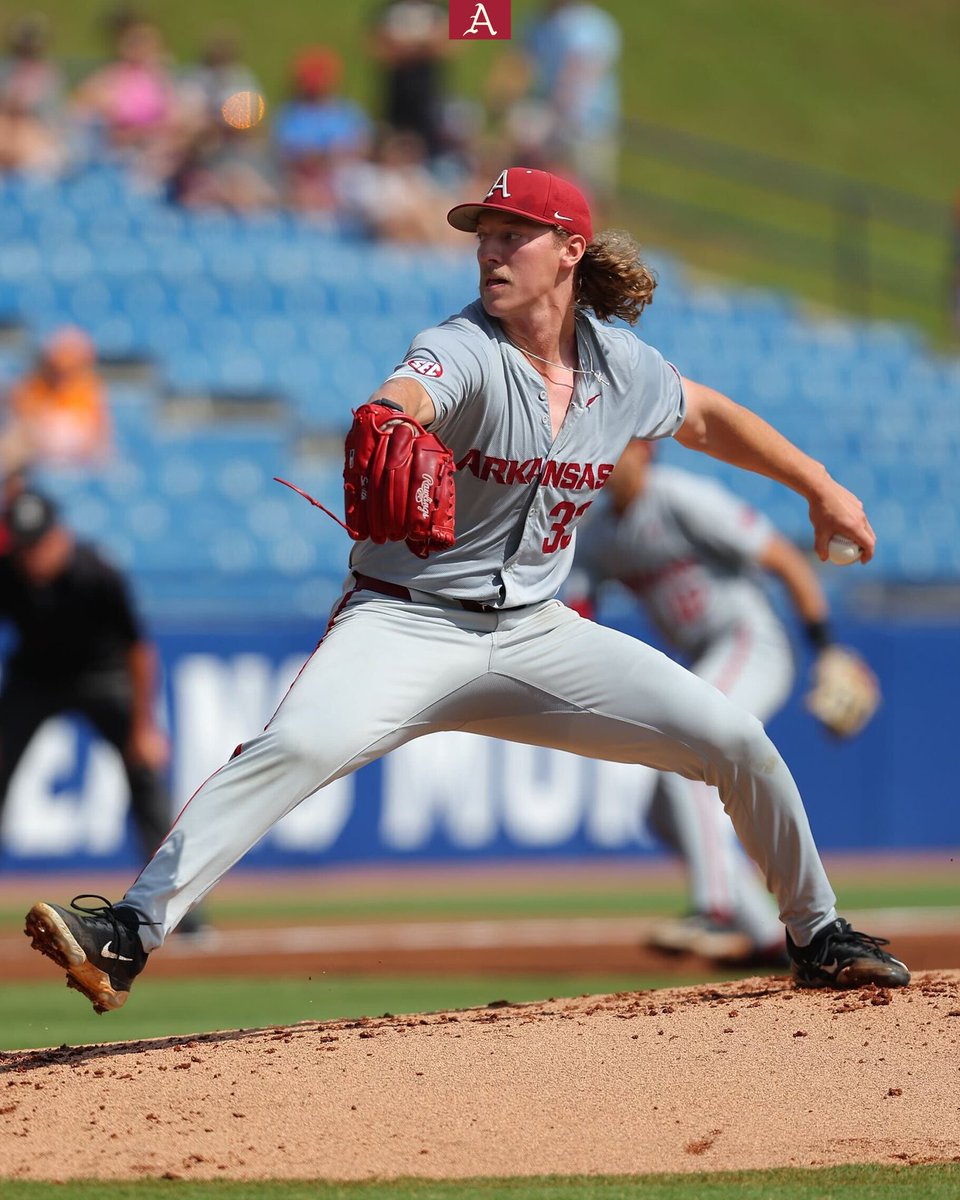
x=425 y=366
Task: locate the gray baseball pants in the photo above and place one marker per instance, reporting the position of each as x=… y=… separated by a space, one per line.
x=387 y=671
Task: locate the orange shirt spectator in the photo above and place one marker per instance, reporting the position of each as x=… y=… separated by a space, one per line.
x=58 y=411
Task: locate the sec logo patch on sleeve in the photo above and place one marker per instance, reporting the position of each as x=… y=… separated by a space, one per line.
x=425 y=366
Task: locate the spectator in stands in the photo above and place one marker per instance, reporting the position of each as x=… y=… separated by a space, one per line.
x=560 y=97
x=129 y=105
x=31 y=96
x=226 y=168
x=316 y=130
x=213 y=164
x=410 y=41
x=219 y=74
x=955 y=269
x=117 y=18
x=81 y=648
x=57 y=413
x=393 y=195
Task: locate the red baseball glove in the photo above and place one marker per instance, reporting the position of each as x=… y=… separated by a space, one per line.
x=397 y=481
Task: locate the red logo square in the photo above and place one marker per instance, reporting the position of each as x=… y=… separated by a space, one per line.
x=479 y=20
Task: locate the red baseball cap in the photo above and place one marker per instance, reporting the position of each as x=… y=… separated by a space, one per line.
x=536 y=195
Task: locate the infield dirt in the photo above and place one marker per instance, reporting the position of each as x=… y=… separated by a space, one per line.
x=749 y=1074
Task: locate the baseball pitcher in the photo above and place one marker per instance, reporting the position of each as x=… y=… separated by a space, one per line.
x=448 y=618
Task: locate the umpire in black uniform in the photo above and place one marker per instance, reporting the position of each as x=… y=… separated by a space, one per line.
x=80 y=648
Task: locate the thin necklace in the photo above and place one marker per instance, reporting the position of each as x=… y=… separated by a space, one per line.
x=559 y=366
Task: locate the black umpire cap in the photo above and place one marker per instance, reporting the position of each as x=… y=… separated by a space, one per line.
x=29 y=516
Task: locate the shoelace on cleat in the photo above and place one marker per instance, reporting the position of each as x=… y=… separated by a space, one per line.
x=108 y=911
x=847 y=934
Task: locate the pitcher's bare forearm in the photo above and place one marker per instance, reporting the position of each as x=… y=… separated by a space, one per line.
x=414 y=399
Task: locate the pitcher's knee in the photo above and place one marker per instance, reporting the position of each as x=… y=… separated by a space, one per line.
x=273 y=755
x=743 y=743
x=751 y=748
x=293 y=746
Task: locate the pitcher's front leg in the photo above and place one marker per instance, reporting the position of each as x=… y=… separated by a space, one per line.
x=228 y=814
x=606 y=695
x=364 y=691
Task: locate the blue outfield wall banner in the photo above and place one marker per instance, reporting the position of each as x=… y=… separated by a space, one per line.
x=458 y=797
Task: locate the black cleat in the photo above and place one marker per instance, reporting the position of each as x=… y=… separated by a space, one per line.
x=839 y=957
x=711 y=935
x=98 y=947
x=717 y=938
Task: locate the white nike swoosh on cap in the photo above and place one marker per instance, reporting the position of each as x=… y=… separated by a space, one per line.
x=559 y=217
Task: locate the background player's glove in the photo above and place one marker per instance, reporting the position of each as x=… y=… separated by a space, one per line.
x=845 y=693
x=397 y=481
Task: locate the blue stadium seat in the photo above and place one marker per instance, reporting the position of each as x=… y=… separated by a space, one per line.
x=197 y=299
x=166 y=336
x=115 y=336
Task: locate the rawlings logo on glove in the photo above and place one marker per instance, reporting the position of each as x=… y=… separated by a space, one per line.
x=424 y=497
x=397 y=481
x=845 y=692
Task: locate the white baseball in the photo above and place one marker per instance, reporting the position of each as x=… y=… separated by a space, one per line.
x=843 y=550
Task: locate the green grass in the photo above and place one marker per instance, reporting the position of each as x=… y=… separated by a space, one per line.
x=620 y=902
x=409 y=900
x=403 y=904
x=866 y=88
x=931 y=1182
x=33 y=1015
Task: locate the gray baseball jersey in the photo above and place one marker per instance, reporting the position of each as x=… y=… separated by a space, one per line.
x=520 y=494
x=687 y=548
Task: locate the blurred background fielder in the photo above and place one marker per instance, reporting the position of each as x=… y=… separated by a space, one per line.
x=695 y=556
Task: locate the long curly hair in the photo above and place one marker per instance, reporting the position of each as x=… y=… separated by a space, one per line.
x=612 y=278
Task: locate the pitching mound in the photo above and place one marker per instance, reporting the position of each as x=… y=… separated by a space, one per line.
x=741 y=1075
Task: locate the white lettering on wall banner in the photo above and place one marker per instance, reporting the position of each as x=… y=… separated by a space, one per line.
x=620 y=800
x=438 y=784
x=543 y=798
x=317 y=822
x=470 y=791
x=218 y=704
x=41 y=817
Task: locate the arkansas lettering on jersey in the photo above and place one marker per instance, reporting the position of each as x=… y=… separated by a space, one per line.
x=572 y=476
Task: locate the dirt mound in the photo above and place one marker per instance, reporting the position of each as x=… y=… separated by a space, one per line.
x=742 y=1075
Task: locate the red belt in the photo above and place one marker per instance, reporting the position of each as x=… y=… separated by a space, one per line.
x=399 y=592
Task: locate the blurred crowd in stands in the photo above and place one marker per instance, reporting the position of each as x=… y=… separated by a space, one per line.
x=551 y=100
